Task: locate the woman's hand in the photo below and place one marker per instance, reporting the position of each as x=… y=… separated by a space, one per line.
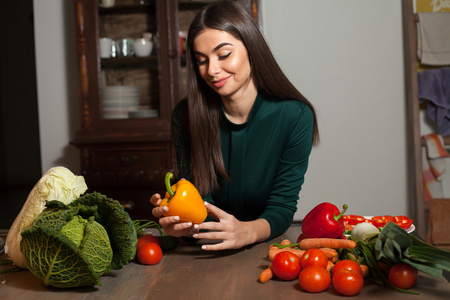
x=171 y=225
x=233 y=233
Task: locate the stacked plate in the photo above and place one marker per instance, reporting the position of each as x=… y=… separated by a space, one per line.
x=144 y=113
x=119 y=101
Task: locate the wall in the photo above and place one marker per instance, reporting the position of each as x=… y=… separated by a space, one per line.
x=346 y=57
x=57 y=81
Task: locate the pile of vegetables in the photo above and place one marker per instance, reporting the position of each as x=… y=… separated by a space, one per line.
x=392 y=249
x=386 y=255
x=73 y=240
x=315 y=263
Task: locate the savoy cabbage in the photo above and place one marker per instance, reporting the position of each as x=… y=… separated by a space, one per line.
x=77 y=255
x=73 y=245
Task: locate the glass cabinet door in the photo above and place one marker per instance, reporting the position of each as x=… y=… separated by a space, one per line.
x=128 y=51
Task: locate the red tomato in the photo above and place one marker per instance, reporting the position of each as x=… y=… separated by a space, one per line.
x=286 y=265
x=346 y=264
x=381 y=221
x=402 y=275
x=353 y=219
x=347 y=282
x=403 y=221
x=314 y=257
x=149 y=254
x=314 y=279
x=145 y=239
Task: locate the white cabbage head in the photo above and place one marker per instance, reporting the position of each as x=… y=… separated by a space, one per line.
x=59 y=183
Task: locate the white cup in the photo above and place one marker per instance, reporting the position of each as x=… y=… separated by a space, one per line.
x=105 y=47
x=106 y=3
x=142 y=47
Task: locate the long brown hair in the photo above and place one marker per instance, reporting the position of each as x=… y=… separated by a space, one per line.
x=202 y=124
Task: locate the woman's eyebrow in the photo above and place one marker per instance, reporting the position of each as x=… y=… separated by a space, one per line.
x=215 y=48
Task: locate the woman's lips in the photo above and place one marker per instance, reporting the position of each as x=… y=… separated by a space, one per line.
x=221 y=82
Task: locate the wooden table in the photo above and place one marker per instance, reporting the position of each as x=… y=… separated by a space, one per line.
x=191 y=273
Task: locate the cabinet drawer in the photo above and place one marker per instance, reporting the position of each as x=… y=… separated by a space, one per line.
x=130 y=160
x=126 y=166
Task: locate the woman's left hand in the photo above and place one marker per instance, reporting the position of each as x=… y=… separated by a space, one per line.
x=233 y=233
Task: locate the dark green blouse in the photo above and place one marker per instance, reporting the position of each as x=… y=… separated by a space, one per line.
x=266 y=158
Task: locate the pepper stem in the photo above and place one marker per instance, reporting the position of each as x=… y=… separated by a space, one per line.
x=169 y=176
x=342 y=213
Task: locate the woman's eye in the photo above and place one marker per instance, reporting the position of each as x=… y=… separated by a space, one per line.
x=201 y=62
x=224 y=56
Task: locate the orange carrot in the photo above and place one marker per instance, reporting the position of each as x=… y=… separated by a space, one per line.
x=266 y=275
x=274 y=250
x=331 y=254
x=329 y=266
x=365 y=270
x=302 y=236
x=326 y=243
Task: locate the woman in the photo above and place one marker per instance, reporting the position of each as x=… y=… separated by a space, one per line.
x=243 y=135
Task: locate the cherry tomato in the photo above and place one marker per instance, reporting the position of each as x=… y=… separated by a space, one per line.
x=403 y=221
x=347 y=282
x=313 y=257
x=145 y=239
x=346 y=264
x=402 y=275
x=149 y=254
x=314 y=279
x=286 y=265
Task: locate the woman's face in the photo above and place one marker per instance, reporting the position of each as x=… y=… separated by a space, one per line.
x=223 y=63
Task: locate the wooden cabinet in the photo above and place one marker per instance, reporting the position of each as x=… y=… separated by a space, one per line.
x=122 y=156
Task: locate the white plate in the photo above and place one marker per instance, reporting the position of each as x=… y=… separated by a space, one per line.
x=408 y=230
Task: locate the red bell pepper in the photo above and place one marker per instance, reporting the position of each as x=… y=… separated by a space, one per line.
x=324 y=221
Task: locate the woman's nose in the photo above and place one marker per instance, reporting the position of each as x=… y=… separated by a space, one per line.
x=213 y=68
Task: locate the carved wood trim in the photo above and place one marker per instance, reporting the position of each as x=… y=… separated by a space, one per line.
x=86 y=121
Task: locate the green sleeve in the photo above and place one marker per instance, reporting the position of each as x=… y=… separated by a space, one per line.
x=289 y=177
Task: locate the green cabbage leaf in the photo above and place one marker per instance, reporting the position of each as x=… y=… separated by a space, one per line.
x=73 y=255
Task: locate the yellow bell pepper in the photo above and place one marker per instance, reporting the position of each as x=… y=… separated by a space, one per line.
x=184 y=200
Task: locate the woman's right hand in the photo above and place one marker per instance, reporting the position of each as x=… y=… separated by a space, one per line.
x=171 y=225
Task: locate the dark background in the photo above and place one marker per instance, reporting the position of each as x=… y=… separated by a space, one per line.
x=20 y=163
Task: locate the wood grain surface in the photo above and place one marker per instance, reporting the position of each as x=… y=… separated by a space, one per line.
x=191 y=273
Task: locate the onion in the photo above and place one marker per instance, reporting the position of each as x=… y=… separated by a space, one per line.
x=362 y=231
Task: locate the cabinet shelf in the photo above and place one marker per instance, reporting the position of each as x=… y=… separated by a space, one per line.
x=129 y=61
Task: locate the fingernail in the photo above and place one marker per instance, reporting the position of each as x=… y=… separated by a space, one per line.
x=204 y=247
x=165 y=209
x=189 y=224
x=195 y=235
x=206 y=203
x=176 y=218
x=196 y=226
